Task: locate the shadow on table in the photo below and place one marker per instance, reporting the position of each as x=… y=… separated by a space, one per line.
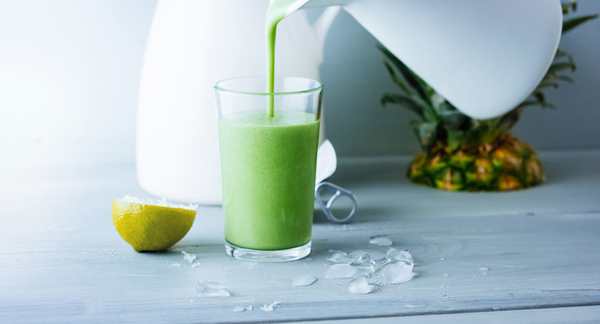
x=557 y=173
x=362 y=215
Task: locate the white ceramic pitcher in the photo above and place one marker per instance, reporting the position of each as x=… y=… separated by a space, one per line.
x=484 y=56
x=192 y=45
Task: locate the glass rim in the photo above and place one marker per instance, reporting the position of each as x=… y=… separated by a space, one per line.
x=218 y=86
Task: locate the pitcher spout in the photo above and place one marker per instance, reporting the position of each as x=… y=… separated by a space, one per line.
x=323 y=3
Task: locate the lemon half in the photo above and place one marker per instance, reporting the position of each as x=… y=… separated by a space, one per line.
x=149 y=226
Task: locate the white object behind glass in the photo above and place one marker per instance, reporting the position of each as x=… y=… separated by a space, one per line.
x=191 y=46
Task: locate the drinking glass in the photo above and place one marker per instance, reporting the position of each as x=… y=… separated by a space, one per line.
x=268 y=165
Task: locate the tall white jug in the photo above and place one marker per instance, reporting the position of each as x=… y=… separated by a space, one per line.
x=192 y=45
x=484 y=56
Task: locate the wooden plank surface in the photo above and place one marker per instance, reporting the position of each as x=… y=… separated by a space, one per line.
x=61 y=259
x=383 y=190
x=571 y=315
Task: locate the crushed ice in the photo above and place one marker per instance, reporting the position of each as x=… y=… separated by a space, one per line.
x=269 y=308
x=393 y=254
x=360 y=285
x=242 y=308
x=369 y=268
x=365 y=269
x=395 y=272
x=375 y=255
x=364 y=259
x=302 y=281
x=339 y=257
x=211 y=289
x=188 y=257
x=340 y=271
x=364 y=264
x=380 y=240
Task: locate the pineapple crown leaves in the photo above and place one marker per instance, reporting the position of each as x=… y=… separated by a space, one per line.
x=570 y=24
x=568 y=6
x=563 y=61
x=416 y=94
x=438 y=116
x=442 y=124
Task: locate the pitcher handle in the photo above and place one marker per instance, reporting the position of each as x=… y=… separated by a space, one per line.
x=327 y=204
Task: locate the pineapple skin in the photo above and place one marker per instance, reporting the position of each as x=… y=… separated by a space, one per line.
x=507 y=164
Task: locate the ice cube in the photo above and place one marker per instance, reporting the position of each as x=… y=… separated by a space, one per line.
x=394 y=254
x=359 y=285
x=339 y=257
x=196 y=265
x=364 y=264
x=249 y=308
x=239 y=309
x=188 y=257
x=395 y=272
x=269 y=308
x=339 y=271
x=364 y=269
x=302 y=281
x=380 y=240
x=363 y=259
x=484 y=269
x=211 y=289
x=375 y=255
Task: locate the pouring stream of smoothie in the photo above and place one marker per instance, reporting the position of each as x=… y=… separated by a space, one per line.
x=278 y=10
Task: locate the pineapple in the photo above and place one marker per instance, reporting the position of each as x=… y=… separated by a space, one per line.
x=461 y=153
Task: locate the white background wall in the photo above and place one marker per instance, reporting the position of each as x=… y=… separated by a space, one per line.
x=69 y=72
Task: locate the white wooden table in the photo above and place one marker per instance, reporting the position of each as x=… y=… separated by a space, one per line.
x=62 y=261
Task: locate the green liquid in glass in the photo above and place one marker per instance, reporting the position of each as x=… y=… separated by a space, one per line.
x=268 y=168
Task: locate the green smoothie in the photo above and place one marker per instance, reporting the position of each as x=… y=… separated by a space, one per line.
x=268 y=167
